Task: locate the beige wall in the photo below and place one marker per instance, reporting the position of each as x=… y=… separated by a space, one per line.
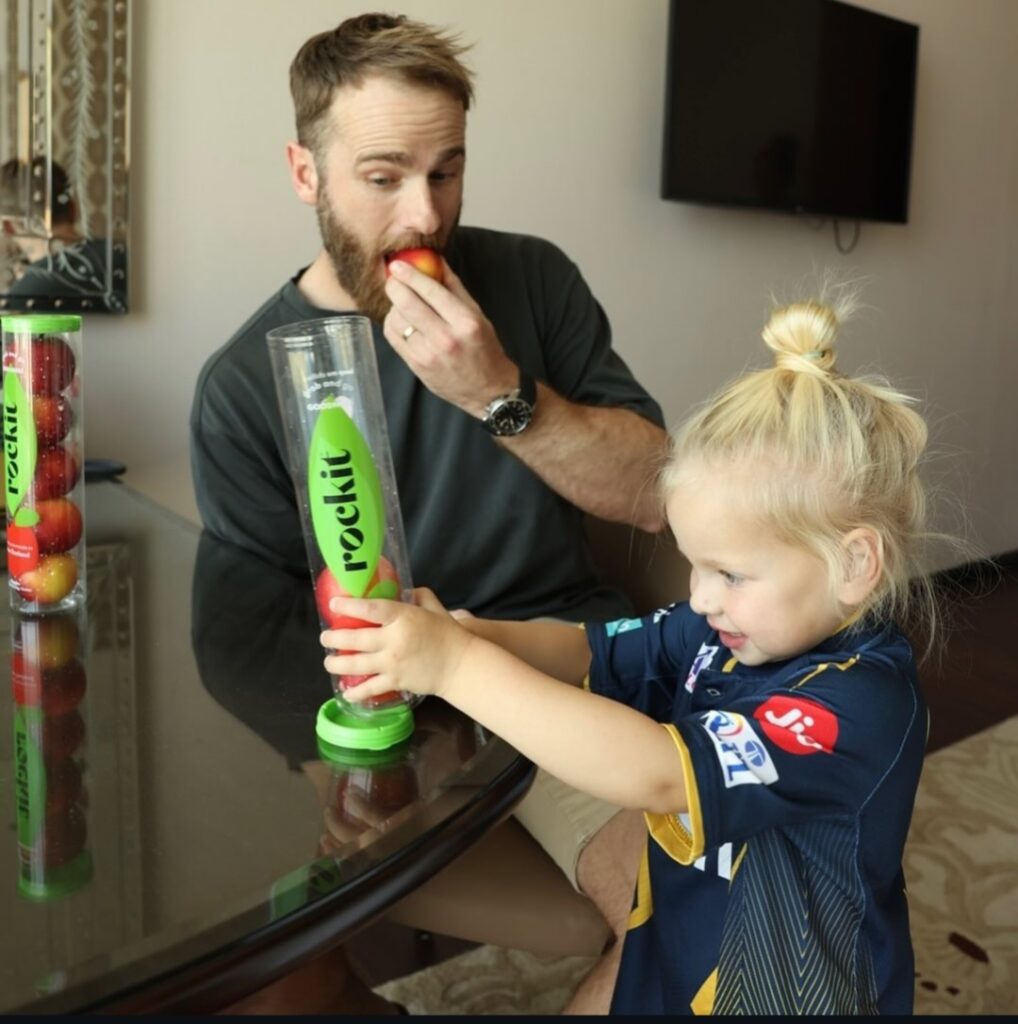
x=565 y=142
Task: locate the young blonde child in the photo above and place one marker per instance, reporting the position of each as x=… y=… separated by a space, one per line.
x=771 y=729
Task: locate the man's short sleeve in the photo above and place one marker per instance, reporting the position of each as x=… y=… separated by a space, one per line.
x=243 y=489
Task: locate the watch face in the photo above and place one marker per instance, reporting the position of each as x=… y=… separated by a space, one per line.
x=509 y=417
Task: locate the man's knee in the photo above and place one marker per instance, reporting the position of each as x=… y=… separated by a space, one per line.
x=609 y=864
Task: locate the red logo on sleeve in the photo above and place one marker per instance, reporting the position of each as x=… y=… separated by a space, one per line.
x=797 y=725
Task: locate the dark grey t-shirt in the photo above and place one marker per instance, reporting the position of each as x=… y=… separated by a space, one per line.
x=484 y=532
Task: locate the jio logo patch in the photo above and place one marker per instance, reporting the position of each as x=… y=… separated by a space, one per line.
x=798 y=725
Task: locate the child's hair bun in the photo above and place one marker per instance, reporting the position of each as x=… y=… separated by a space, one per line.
x=801 y=335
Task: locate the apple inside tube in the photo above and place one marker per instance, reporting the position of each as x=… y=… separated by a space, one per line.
x=327 y=587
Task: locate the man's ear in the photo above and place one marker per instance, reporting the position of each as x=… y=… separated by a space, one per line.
x=303 y=172
x=863 y=551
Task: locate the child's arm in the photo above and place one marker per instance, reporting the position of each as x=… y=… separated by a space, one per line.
x=558 y=649
x=590 y=742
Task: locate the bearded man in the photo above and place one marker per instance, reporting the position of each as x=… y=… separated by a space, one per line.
x=509 y=414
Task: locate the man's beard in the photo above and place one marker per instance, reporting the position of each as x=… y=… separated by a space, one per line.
x=356 y=266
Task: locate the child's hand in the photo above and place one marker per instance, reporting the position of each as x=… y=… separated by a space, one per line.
x=417 y=647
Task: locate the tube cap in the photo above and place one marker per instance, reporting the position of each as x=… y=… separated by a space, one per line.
x=42 y=323
x=383 y=729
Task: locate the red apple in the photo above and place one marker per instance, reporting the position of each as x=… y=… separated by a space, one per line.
x=52 y=414
x=382 y=788
x=56 y=472
x=52 y=579
x=62 y=735
x=57 y=691
x=59 y=526
x=326 y=588
x=63 y=837
x=53 y=365
x=427 y=261
x=48 y=641
x=63 y=786
x=63 y=688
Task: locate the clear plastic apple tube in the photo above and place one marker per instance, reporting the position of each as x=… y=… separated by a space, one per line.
x=337 y=441
x=43 y=456
x=48 y=684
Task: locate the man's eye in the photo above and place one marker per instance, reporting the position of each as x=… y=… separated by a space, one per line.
x=380 y=180
x=442 y=176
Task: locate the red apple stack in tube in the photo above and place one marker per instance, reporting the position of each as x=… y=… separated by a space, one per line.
x=48 y=686
x=42 y=539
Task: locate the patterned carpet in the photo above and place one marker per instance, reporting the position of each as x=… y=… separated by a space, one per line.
x=961 y=865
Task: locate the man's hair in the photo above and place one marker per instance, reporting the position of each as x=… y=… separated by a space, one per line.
x=371 y=44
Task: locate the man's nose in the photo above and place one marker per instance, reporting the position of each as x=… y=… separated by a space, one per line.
x=419 y=213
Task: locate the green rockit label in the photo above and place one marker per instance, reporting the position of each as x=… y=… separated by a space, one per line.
x=345 y=496
x=19 y=445
x=303 y=886
x=29 y=776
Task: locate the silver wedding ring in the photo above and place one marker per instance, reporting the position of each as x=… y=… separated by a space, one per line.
x=407 y=331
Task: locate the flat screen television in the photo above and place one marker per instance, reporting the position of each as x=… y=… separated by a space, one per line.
x=804 y=106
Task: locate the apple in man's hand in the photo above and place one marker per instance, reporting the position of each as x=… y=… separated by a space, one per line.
x=426 y=260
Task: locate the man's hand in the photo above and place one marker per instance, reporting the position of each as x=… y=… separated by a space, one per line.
x=455 y=352
x=453 y=349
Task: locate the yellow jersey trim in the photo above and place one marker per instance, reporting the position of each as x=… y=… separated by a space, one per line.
x=841 y=666
x=666 y=829
x=737 y=863
x=703 y=1002
x=644 y=909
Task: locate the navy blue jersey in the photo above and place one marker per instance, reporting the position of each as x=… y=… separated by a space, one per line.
x=780 y=890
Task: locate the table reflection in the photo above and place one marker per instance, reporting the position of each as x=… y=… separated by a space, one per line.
x=163 y=798
x=48 y=683
x=255 y=632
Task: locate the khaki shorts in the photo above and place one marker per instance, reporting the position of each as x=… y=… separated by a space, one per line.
x=562 y=820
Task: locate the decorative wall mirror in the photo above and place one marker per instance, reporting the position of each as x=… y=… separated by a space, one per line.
x=64 y=154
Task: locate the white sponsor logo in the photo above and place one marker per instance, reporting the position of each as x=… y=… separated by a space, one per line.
x=744 y=758
x=662 y=613
x=724 y=862
x=703 y=658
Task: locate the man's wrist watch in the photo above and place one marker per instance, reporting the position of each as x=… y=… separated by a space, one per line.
x=511 y=414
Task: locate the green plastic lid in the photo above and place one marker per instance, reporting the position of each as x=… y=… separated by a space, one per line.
x=383 y=729
x=42 y=323
x=60 y=882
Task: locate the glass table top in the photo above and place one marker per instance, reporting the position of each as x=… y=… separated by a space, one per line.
x=167 y=800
